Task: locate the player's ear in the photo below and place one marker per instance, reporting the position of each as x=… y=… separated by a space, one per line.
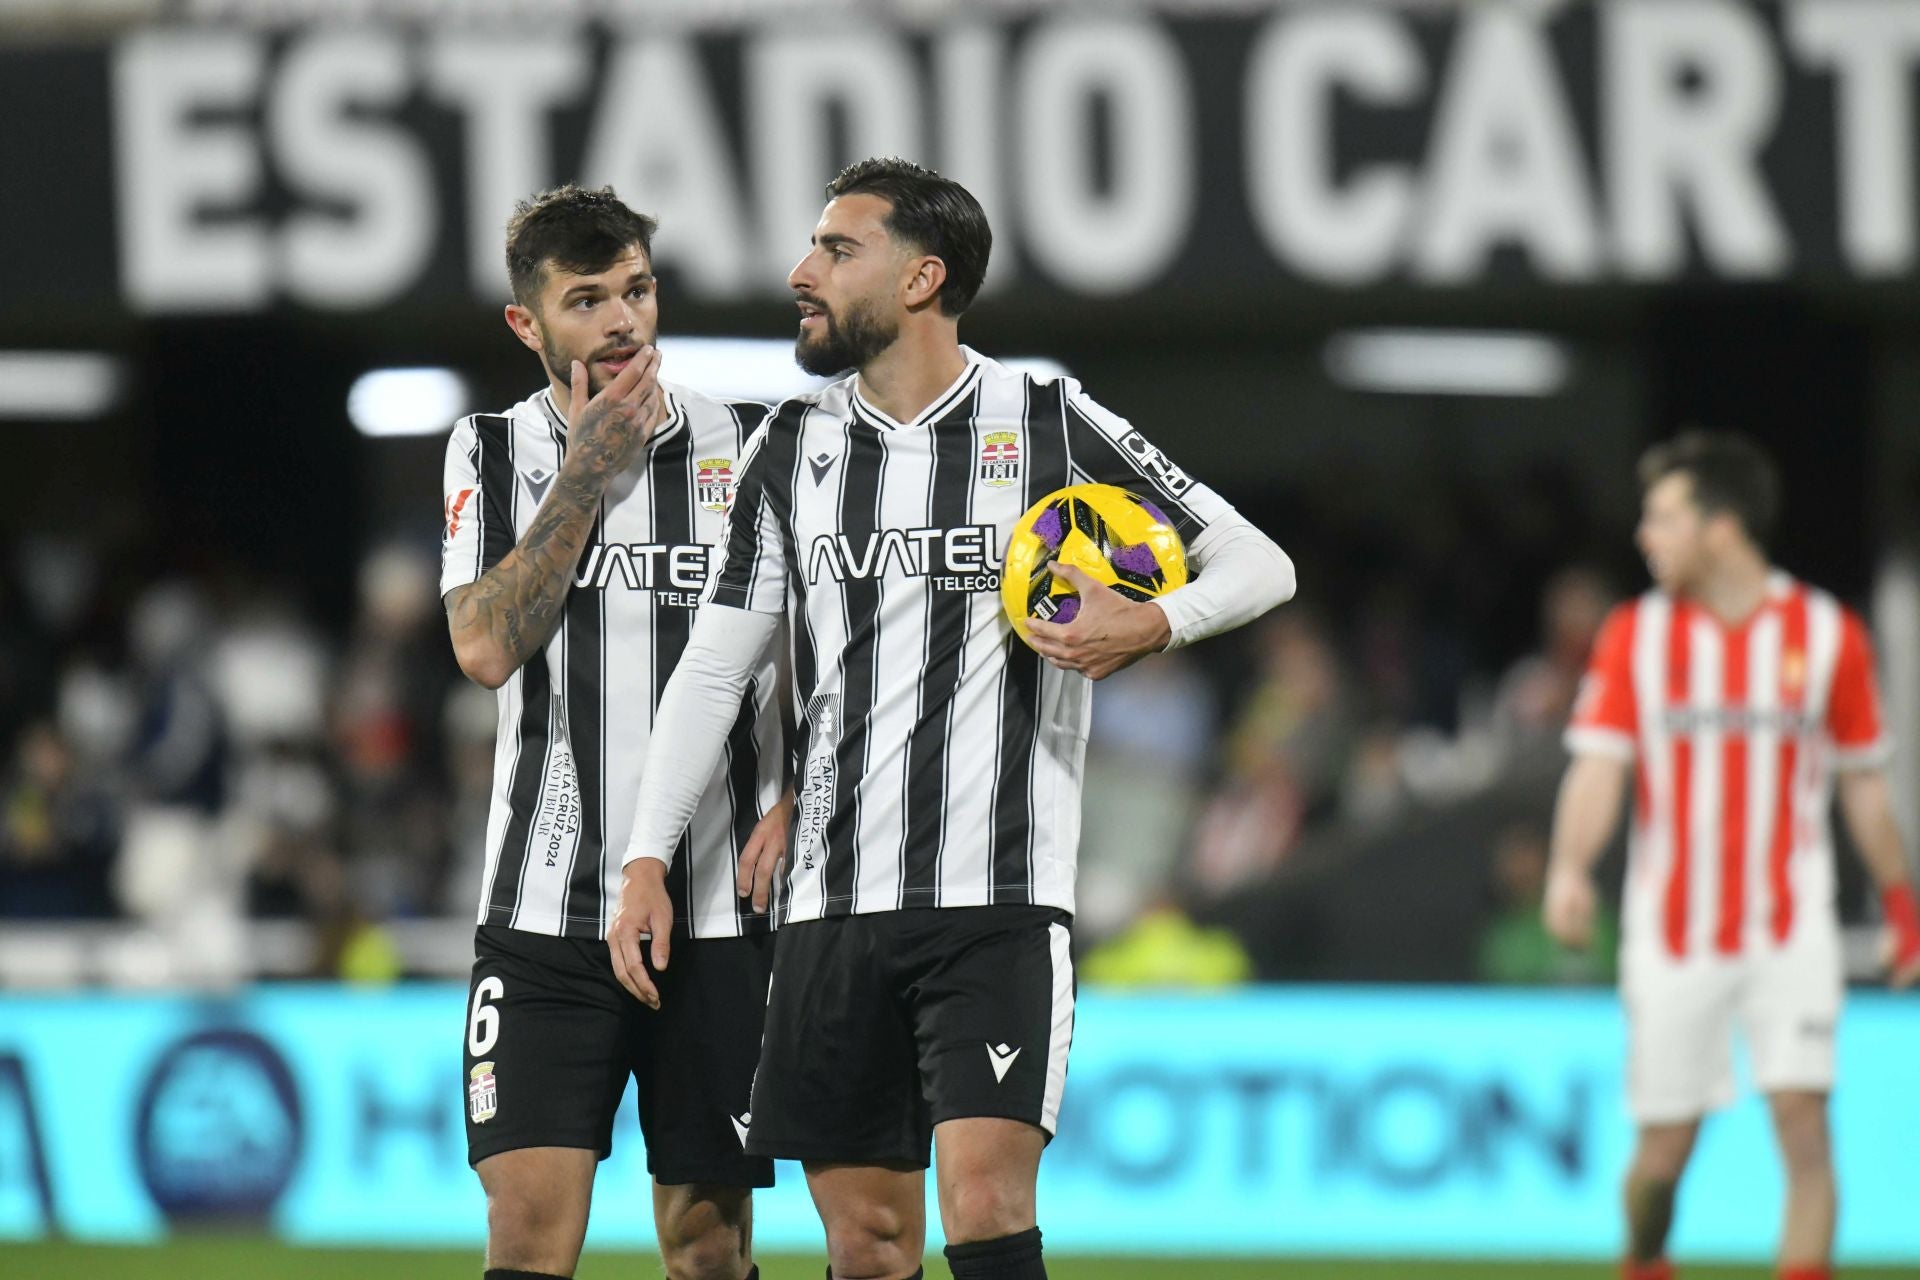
x=924 y=279
x=524 y=326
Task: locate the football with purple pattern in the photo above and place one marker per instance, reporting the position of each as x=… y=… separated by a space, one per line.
x=1120 y=538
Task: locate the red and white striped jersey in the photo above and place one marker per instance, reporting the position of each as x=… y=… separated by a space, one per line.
x=1735 y=732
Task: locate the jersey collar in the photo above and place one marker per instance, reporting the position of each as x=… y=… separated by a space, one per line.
x=676 y=415
x=942 y=403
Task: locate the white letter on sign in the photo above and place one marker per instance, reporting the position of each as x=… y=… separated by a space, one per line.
x=1123 y=238
x=1345 y=236
x=374 y=253
x=1692 y=93
x=172 y=169
x=1871 y=45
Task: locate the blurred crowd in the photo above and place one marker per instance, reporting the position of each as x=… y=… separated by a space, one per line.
x=196 y=751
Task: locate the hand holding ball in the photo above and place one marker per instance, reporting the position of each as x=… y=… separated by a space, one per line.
x=1119 y=539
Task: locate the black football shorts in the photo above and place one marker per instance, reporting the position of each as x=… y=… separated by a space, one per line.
x=881 y=1026
x=552 y=1037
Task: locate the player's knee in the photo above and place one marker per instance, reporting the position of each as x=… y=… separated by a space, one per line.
x=873 y=1240
x=986 y=1208
x=530 y=1232
x=1660 y=1157
x=1806 y=1152
x=701 y=1241
x=717 y=1254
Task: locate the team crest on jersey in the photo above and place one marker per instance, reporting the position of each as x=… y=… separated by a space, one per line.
x=1000 y=459
x=453 y=507
x=1793 y=672
x=483 y=1095
x=713 y=483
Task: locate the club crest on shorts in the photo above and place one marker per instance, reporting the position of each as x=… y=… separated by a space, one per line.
x=1000 y=459
x=483 y=1097
x=713 y=483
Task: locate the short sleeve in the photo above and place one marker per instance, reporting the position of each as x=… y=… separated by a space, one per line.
x=1854 y=720
x=462 y=538
x=1108 y=449
x=1606 y=715
x=751 y=572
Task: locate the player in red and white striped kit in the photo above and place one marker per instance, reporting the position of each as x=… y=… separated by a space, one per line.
x=1734 y=698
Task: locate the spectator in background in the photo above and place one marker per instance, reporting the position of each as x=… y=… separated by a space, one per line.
x=383 y=717
x=1286 y=757
x=1516 y=947
x=1535 y=696
x=1152 y=735
x=57 y=835
x=174 y=873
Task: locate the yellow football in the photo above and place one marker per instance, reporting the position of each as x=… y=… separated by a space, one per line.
x=1121 y=539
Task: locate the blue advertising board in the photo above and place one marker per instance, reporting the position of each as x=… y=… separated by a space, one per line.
x=1312 y=1120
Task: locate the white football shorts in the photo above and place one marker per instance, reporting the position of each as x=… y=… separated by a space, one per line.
x=1681 y=1015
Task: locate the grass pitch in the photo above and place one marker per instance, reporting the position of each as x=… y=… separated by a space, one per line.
x=230 y=1259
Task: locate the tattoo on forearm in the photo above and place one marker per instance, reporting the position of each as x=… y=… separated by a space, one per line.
x=517 y=603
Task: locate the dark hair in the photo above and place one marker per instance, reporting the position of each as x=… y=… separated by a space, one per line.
x=1730 y=474
x=574 y=229
x=936 y=215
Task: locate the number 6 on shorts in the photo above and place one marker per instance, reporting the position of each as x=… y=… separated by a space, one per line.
x=483 y=1024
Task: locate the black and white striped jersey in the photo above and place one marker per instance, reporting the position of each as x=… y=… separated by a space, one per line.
x=939 y=758
x=576 y=718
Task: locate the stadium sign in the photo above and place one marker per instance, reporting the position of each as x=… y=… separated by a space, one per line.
x=1402 y=1123
x=1199 y=149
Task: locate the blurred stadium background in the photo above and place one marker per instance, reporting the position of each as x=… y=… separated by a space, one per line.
x=1412 y=283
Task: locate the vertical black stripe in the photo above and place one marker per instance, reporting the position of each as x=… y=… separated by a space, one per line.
x=763 y=491
x=802 y=650
x=493 y=438
x=1012 y=836
x=478 y=513
x=670 y=481
x=743 y=751
x=955 y=457
x=863 y=462
x=743 y=793
x=498 y=494
x=585 y=620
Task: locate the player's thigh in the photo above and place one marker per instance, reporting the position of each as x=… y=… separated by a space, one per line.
x=993 y=1013
x=538 y=1199
x=837 y=1081
x=548 y=1045
x=988 y=1167
x=1679 y=1017
x=699 y=1053
x=1790 y=1011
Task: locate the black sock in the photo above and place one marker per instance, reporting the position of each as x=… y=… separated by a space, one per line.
x=919 y=1274
x=503 y=1273
x=1014 y=1257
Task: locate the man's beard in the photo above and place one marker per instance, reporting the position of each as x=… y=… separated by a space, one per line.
x=560 y=362
x=851 y=345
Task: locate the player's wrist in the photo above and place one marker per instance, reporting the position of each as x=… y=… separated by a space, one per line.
x=1156 y=628
x=1902 y=912
x=644 y=866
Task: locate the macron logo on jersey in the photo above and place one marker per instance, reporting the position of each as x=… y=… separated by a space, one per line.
x=1002 y=1061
